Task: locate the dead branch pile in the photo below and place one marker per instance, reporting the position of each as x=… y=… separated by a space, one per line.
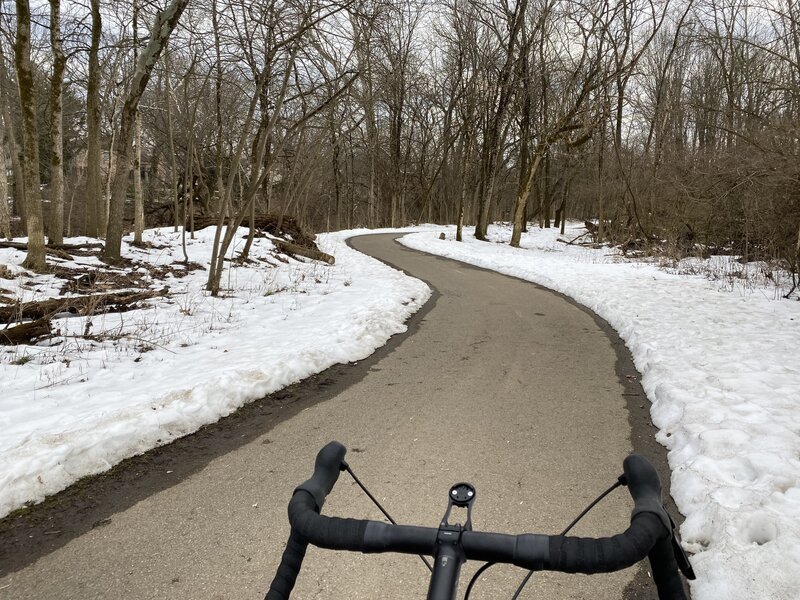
x=283 y=227
x=77 y=305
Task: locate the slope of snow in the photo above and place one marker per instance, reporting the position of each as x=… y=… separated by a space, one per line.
x=722 y=372
x=719 y=363
x=80 y=406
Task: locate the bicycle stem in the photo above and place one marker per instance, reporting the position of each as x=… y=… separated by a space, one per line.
x=447 y=560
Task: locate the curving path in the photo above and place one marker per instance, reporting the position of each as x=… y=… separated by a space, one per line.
x=499 y=382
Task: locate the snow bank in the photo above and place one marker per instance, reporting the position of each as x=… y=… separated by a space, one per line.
x=78 y=408
x=721 y=370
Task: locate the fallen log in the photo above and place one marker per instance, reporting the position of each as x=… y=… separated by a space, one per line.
x=67 y=247
x=294 y=249
x=48 y=249
x=78 y=305
x=24 y=333
x=72 y=247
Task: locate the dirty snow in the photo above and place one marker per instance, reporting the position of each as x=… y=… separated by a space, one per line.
x=80 y=406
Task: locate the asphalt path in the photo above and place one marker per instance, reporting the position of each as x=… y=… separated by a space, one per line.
x=498 y=382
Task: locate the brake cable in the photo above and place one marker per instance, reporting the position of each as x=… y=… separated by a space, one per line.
x=621 y=480
x=347 y=468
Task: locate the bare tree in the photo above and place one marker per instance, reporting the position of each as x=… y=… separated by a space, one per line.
x=11 y=140
x=138 y=200
x=35 y=258
x=162 y=28
x=173 y=171
x=363 y=24
x=56 y=229
x=5 y=224
x=274 y=72
x=95 y=204
x=350 y=113
x=581 y=67
x=507 y=28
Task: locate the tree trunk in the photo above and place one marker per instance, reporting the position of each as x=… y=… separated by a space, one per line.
x=105 y=201
x=138 y=202
x=188 y=190
x=171 y=135
x=35 y=259
x=544 y=199
x=5 y=221
x=251 y=232
x=524 y=142
x=562 y=211
x=165 y=22
x=522 y=197
x=482 y=225
x=16 y=166
x=547 y=200
x=462 y=196
x=220 y=182
x=56 y=229
x=395 y=142
x=797 y=248
x=601 y=213
x=95 y=203
x=336 y=171
x=18 y=207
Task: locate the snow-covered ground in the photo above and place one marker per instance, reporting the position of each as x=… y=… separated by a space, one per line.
x=720 y=365
x=78 y=407
x=719 y=361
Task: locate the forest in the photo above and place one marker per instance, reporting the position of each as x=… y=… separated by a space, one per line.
x=672 y=127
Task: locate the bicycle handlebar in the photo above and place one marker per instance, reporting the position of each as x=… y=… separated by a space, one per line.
x=649 y=534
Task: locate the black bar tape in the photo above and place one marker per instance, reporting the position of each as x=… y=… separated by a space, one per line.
x=602 y=555
x=291 y=561
x=665 y=571
x=326 y=472
x=326 y=532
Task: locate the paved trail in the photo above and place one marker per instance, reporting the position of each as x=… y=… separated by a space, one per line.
x=502 y=384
